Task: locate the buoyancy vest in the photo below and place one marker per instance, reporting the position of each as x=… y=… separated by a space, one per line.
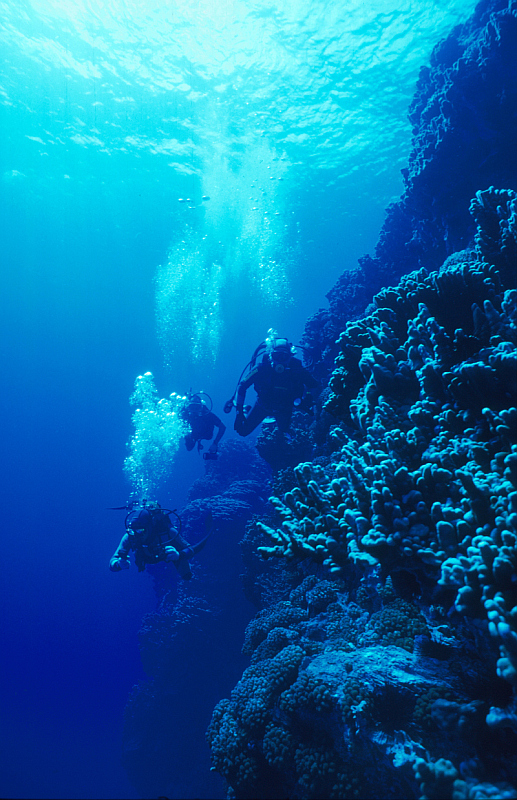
x=277 y=388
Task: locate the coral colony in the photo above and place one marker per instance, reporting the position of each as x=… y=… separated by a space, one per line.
x=414 y=517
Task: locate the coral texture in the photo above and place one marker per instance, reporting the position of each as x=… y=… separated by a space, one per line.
x=398 y=540
x=463 y=118
x=410 y=524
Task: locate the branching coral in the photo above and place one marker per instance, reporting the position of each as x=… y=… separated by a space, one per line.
x=424 y=497
x=463 y=119
x=440 y=780
x=432 y=488
x=414 y=493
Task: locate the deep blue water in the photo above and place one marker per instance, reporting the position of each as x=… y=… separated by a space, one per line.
x=109 y=114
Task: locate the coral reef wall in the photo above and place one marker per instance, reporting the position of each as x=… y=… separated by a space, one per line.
x=391 y=670
x=385 y=664
x=464 y=122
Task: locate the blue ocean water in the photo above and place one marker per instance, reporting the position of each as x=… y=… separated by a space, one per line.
x=291 y=118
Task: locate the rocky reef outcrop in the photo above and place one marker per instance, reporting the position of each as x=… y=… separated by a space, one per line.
x=464 y=118
x=390 y=671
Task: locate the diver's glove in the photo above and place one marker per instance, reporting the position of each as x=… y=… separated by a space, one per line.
x=117 y=564
x=171 y=554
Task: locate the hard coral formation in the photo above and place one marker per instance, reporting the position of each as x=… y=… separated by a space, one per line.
x=324 y=725
x=463 y=120
x=430 y=488
x=269 y=739
x=237 y=462
x=462 y=131
x=398 y=624
x=410 y=524
x=440 y=780
x=284 y=450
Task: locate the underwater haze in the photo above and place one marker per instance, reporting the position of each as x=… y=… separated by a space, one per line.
x=175 y=180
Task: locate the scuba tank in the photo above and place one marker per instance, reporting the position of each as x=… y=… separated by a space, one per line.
x=266 y=347
x=195 y=398
x=144 y=510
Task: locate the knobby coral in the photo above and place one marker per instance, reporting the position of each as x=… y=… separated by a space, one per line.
x=407 y=521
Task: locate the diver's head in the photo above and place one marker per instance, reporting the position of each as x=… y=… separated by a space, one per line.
x=139 y=521
x=195 y=407
x=281 y=355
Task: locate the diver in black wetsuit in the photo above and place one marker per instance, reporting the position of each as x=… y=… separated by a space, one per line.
x=154 y=538
x=280 y=380
x=202 y=422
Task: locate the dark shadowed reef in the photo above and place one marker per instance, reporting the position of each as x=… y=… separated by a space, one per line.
x=463 y=119
x=382 y=661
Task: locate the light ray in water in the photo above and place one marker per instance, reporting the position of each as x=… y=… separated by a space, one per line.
x=236 y=236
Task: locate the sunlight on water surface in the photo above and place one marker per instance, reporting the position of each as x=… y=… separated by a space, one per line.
x=204 y=96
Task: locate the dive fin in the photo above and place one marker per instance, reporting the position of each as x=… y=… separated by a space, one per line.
x=182 y=564
x=193 y=549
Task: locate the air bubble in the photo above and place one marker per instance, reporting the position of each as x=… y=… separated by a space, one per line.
x=159 y=429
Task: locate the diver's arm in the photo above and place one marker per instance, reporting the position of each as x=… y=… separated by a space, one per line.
x=222 y=427
x=243 y=387
x=220 y=433
x=120 y=558
x=241 y=397
x=171 y=554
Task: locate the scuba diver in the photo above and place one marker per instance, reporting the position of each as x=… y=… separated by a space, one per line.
x=280 y=381
x=153 y=537
x=202 y=422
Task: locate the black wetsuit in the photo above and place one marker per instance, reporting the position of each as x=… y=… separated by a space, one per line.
x=149 y=545
x=277 y=388
x=202 y=427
